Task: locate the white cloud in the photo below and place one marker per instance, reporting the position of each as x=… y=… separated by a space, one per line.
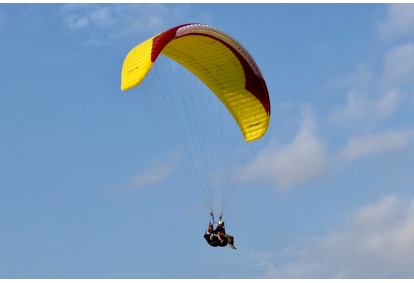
x=306 y=158
x=106 y=22
x=359 y=107
x=376 y=143
x=376 y=242
x=399 y=64
x=368 y=99
x=374 y=96
x=157 y=172
x=398 y=22
x=359 y=79
x=296 y=163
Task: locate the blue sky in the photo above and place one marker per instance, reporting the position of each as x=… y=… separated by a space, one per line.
x=328 y=194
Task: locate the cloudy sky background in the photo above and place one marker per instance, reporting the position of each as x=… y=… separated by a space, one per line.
x=329 y=193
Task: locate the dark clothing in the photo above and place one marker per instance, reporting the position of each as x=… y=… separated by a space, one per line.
x=220 y=229
x=212 y=241
x=227 y=239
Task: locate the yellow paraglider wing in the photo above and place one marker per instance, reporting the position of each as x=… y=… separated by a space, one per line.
x=219 y=61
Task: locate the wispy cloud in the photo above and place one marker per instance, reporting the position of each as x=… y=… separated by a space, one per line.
x=399 y=21
x=158 y=171
x=373 y=97
x=307 y=157
x=399 y=64
x=375 y=143
x=103 y=23
x=360 y=107
x=374 y=242
x=300 y=161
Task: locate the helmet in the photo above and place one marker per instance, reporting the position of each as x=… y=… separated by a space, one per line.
x=221 y=222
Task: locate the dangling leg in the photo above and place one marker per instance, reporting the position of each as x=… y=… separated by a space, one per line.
x=231 y=242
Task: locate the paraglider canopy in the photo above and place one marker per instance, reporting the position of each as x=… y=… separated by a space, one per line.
x=216 y=59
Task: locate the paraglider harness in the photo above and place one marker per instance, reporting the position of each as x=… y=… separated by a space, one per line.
x=212 y=217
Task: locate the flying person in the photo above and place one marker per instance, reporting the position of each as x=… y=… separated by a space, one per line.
x=223 y=237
